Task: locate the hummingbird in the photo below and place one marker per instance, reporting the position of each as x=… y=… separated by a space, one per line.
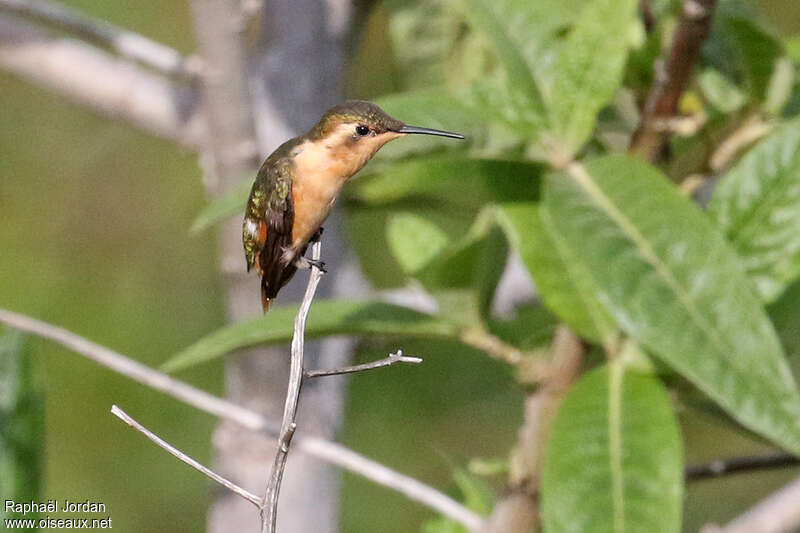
x=296 y=186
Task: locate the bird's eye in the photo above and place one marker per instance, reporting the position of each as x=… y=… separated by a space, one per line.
x=362 y=130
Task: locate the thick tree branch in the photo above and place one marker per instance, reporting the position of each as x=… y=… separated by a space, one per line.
x=519 y=511
x=125 y=417
x=671 y=78
x=126 y=43
x=107 y=85
x=323 y=449
x=736 y=465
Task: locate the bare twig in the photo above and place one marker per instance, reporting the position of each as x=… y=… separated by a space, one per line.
x=736 y=465
x=749 y=132
x=125 y=417
x=138 y=372
x=101 y=82
x=671 y=78
x=413 y=489
x=392 y=359
x=126 y=43
x=778 y=513
x=288 y=425
x=331 y=452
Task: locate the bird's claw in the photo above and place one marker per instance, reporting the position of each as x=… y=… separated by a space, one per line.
x=320 y=265
x=305 y=263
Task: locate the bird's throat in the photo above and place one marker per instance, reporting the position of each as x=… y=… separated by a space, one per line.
x=322 y=167
x=318 y=178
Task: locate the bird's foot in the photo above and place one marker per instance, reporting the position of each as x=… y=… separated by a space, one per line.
x=318 y=265
x=305 y=263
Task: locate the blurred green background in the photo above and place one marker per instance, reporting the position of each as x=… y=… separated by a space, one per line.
x=95 y=238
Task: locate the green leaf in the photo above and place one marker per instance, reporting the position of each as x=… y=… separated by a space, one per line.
x=495 y=179
x=674 y=284
x=741 y=48
x=490 y=268
x=588 y=72
x=563 y=280
x=463 y=276
x=757 y=51
x=327 y=317
x=757 y=204
x=720 y=92
x=414 y=240
x=432 y=108
x=426 y=186
x=779 y=90
x=487 y=16
x=792 y=45
x=531 y=326
x=367 y=229
x=443 y=525
x=478 y=496
x=614 y=459
x=230 y=204
x=422 y=34
x=785 y=315
x=21 y=424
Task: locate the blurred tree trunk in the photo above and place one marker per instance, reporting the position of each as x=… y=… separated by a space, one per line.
x=258 y=94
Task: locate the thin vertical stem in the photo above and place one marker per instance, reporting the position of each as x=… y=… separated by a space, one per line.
x=269 y=512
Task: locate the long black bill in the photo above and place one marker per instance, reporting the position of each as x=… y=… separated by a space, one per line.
x=429 y=131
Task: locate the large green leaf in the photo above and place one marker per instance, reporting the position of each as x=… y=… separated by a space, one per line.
x=562 y=279
x=367 y=229
x=422 y=35
x=757 y=204
x=588 y=72
x=446 y=190
x=495 y=18
x=756 y=51
x=414 y=240
x=673 y=283
x=494 y=179
x=462 y=275
x=327 y=317
x=614 y=460
x=432 y=108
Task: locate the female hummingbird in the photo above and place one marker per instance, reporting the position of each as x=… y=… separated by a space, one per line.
x=296 y=186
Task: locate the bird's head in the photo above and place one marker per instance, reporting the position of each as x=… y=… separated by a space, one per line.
x=356 y=129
